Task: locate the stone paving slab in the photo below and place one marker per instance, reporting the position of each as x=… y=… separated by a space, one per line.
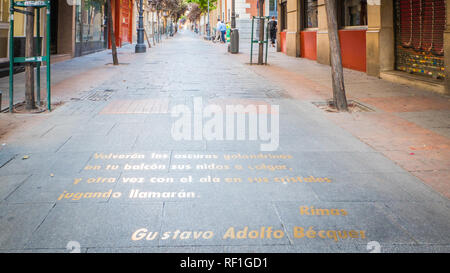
x=429 y=229
x=18 y=223
x=160 y=249
x=99 y=225
x=10 y=184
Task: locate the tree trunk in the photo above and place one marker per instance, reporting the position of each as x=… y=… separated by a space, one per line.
x=111 y=33
x=29 y=67
x=337 y=73
x=261 y=33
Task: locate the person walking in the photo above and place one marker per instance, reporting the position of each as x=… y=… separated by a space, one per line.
x=273 y=31
x=217 y=38
x=228 y=32
x=223 y=29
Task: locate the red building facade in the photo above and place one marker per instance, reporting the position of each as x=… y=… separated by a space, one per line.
x=122 y=11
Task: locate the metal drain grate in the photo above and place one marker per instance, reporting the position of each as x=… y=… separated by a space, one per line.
x=100 y=95
x=353 y=106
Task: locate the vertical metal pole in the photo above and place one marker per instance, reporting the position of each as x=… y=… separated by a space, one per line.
x=140 y=46
x=49 y=102
x=233 y=14
x=208 y=31
x=38 y=47
x=251 y=41
x=11 y=55
x=267 y=38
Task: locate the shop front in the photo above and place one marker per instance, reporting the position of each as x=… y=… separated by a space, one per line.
x=308 y=35
x=352 y=16
x=419 y=32
x=90 y=27
x=304 y=31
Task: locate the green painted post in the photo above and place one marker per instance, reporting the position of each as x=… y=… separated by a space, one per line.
x=267 y=38
x=38 y=69
x=49 y=103
x=11 y=55
x=251 y=42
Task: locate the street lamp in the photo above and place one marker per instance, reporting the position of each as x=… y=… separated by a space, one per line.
x=208 y=32
x=140 y=46
x=166 y=20
x=153 y=10
x=154 y=6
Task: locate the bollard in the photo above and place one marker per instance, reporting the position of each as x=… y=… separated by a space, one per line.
x=234 y=41
x=1 y=101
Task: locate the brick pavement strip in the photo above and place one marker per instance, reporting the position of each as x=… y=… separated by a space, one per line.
x=104 y=172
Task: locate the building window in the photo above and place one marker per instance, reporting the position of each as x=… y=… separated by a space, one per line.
x=4 y=27
x=310 y=14
x=89 y=18
x=283 y=15
x=273 y=8
x=353 y=13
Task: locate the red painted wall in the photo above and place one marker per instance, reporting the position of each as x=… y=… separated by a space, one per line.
x=127 y=21
x=283 y=41
x=253 y=9
x=122 y=19
x=308 y=44
x=353 y=49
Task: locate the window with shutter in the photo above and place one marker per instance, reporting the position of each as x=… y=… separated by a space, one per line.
x=420 y=26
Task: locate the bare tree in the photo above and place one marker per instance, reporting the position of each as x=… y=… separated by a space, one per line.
x=194 y=12
x=261 y=32
x=29 y=67
x=111 y=33
x=337 y=73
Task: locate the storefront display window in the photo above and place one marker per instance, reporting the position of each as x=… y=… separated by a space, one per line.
x=90 y=31
x=4 y=27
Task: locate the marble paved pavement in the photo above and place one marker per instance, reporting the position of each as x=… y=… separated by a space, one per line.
x=104 y=171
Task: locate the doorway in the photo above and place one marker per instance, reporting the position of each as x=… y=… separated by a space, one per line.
x=54 y=27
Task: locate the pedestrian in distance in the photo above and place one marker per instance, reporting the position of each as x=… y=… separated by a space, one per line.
x=273 y=31
x=223 y=29
x=228 y=32
x=217 y=38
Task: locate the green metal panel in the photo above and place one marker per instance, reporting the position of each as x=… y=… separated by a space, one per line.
x=35 y=59
x=252 y=41
x=267 y=38
x=36 y=4
x=38 y=47
x=49 y=102
x=11 y=56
